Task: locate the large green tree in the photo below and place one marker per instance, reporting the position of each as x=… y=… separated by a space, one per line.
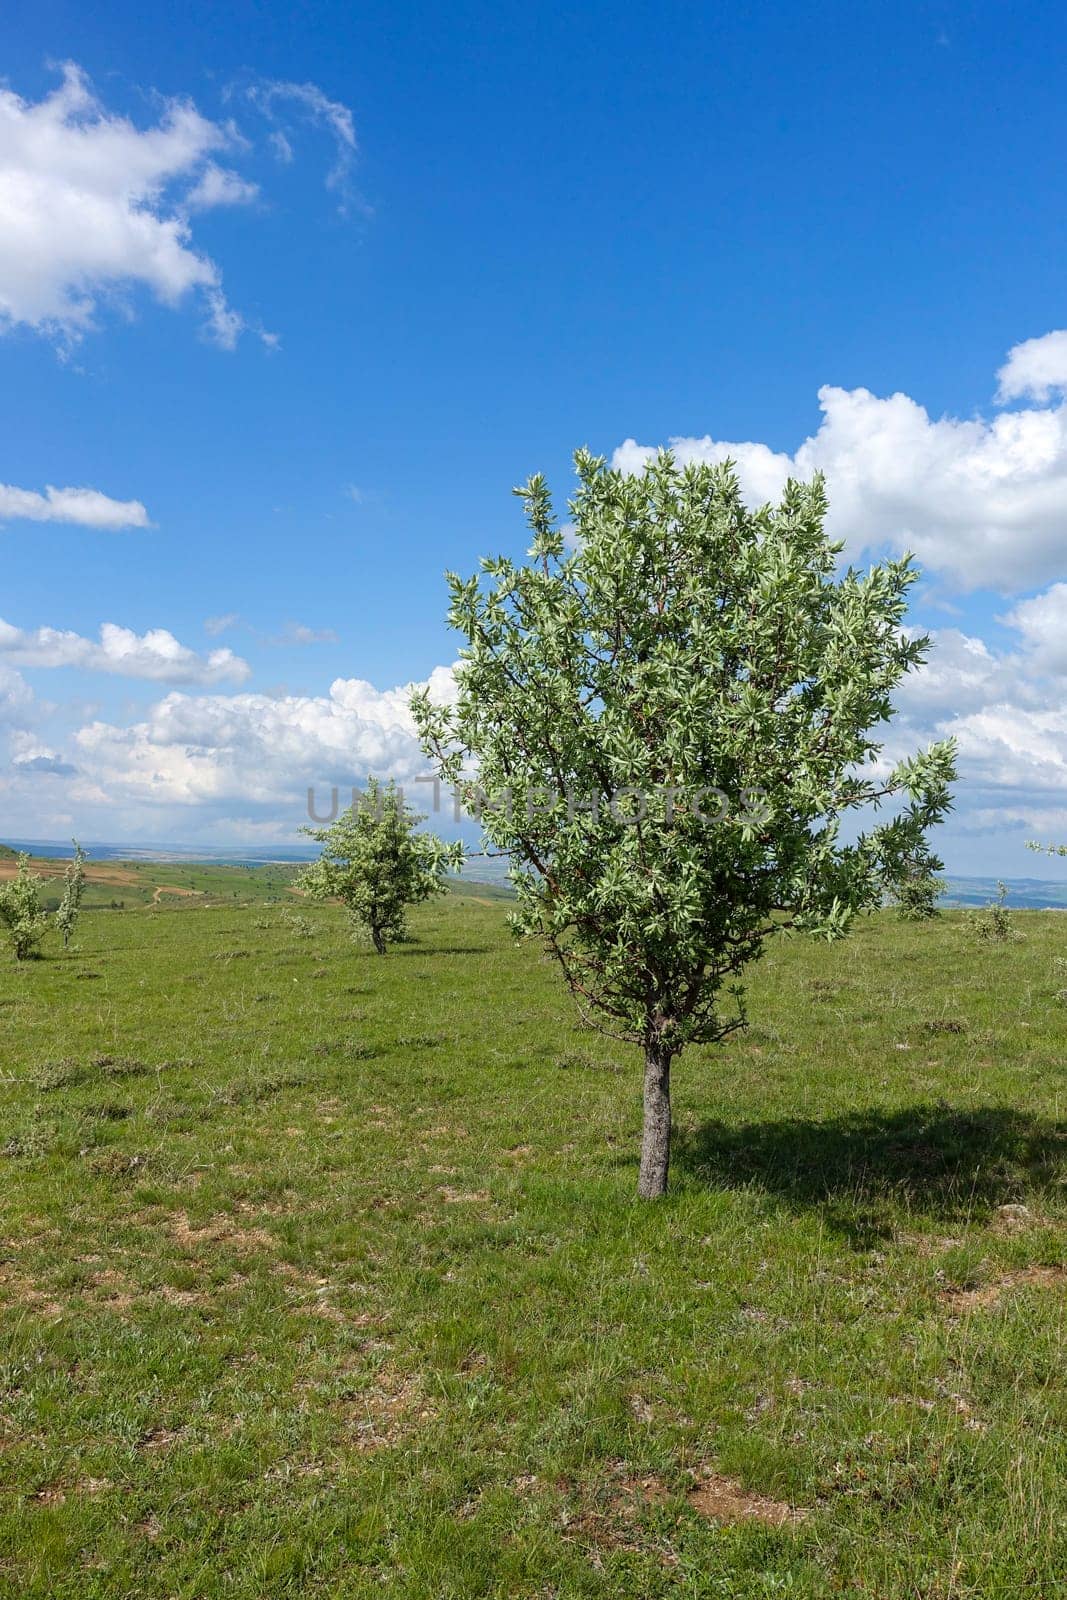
x=376 y=862
x=664 y=718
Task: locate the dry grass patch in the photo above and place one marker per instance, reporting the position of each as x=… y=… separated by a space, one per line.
x=987 y=1295
x=161 y=1438
x=220 y=1229
x=389 y=1412
x=18 y=1290
x=116 y=1290
x=610 y=1518
x=183 y=1298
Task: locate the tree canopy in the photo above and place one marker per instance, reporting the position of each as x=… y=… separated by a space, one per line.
x=665 y=718
x=377 y=864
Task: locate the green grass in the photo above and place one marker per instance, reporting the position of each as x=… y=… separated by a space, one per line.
x=136 y=885
x=322 y=1274
x=142 y=885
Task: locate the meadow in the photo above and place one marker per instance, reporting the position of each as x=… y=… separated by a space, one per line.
x=323 y=1274
x=126 y=885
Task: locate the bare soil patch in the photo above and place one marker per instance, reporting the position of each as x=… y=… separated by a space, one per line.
x=990 y=1294
x=723 y=1500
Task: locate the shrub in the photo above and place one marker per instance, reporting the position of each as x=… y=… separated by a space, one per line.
x=21 y=914
x=69 y=907
x=917 y=888
x=994 y=924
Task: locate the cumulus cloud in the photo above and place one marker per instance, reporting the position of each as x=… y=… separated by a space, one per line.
x=156 y=655
x=93 y=206
x=255 y=750
x=218 y=186
x=87 y=507
x=16 y=697
x=983 y=501
x=1042 y=622
x=88 y=206
x=45 y=764
x=1005 y=709
x=1036 y=368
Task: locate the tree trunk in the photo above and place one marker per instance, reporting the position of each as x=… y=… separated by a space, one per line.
x=656 y=1136
x=379 y=942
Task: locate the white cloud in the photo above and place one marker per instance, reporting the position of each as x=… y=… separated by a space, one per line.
x=16 y=697
x=299 y=633
x=1036 y=368
x=1042 y=621
x=87 y=206
x=213 y=626
x=257 y=750
x=218 y=186
x=962 y=675
x=281 y=146
x=982 y=501
x=156 y=655
x=1005 y=708
x=37 y=760
x=88 y=507
x=224 y=324
x=1015 y=749
x=92 y=206
x=309 y=99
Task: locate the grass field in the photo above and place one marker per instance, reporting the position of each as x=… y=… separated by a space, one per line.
x=322 y=1274
x=129 y=885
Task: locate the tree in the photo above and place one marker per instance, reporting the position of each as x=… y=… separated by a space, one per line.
x=21 y=914
x=377 y=865
x=69 y=907
x=994 y=923
x=918 y=888
x=664 y=720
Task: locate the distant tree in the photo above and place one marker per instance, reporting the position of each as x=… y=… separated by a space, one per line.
x=69 y=907
x=21 y=914
x=919 y=886
x=377 y=864
x=663 y=719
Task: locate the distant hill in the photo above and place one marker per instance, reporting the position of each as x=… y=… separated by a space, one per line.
x=1025 y=894
x=6 y=853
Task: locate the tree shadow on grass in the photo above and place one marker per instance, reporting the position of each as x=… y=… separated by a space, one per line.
x=863 y=1170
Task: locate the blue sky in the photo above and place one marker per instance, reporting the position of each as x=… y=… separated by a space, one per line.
x=400 y=257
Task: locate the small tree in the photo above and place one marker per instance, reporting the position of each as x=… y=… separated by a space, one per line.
x=994 y=923
x=918 y=888
x=69 y=908
x=377 y=865
x=669 y=716
x=21 y=915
